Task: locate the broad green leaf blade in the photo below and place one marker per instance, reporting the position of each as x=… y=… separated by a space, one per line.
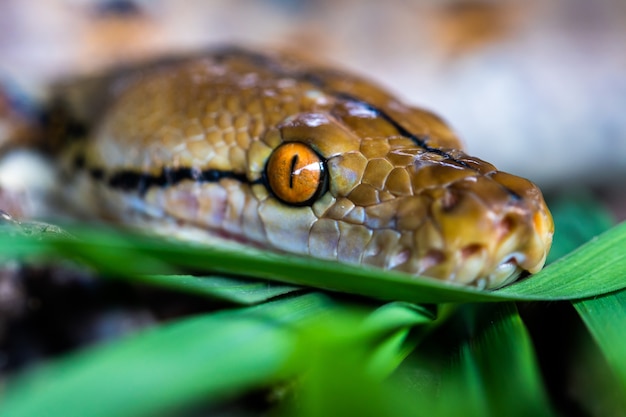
x=123 y=254
x=235 y=290
x=566 y=279
x=594 y=269
x=605 y=318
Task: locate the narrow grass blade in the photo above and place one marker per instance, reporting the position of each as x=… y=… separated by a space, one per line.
x=568 y=278
x=592 y=382
x=392 y=323
x=605 y=318
x=605 y=315
x=344 y=375
x=595 y=268
x=495 y=372
x=128 y=255
x=338 y=384
x=235 y=290
x=201 y=359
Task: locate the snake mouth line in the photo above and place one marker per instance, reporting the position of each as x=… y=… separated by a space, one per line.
x=480 y=275
x=505 y=273
x=465 y=272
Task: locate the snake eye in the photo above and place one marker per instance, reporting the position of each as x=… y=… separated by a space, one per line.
x=295 y=173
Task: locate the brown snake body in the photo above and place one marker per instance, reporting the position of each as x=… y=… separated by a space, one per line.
x=269 y=151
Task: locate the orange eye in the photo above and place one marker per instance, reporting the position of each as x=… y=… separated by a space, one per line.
x=295 y=173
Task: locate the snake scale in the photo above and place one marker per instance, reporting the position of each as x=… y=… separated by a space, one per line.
x=271 y=151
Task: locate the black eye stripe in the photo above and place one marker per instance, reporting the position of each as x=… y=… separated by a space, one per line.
x=126 y=180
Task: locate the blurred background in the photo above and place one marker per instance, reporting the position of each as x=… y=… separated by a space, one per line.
x=537 y=87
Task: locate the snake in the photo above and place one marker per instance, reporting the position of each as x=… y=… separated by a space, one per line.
x=271 y=151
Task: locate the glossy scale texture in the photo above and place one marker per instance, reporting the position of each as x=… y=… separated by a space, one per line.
x=186 y=143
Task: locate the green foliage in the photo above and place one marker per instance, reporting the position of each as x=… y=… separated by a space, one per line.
x=605 y=318
x=494 y=372
x=382 y=354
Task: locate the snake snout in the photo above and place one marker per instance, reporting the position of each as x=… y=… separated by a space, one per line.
x=483 y=233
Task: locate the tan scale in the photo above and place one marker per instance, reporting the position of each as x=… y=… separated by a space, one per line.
x=184 y=145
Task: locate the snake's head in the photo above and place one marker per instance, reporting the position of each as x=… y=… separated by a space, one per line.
x=380 y=196
x=268 y=151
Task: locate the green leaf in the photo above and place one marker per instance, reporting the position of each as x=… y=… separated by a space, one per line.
x=337 y=384
x=590 y=381
x=338 y=349
x=605 y=318
x=235 y=290
x=128 y=255
x=392 y=323
x=604 y=315
x=495 y=372
x=345 y=370
x=202 y=358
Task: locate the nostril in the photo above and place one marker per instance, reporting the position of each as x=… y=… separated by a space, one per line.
x=471 y=250
x=506 y=225
x=449 y=200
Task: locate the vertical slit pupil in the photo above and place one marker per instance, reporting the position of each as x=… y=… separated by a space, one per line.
x=294 y=161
